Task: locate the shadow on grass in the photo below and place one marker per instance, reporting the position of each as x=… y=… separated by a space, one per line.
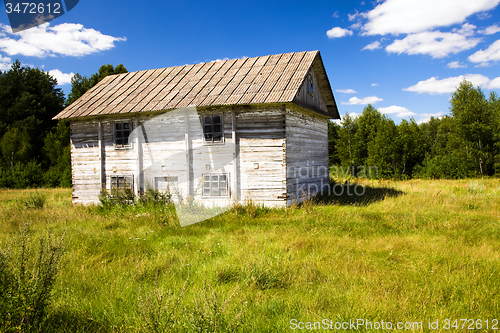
x=356 y=194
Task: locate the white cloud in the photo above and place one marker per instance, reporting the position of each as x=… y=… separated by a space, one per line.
x=338 y=32
x=65 y=39
x=62 y=78
x=434 y=86
x=434 y=43
x=427 y=116
x=413 y=16
x=483 y=15
x=494 y=84
x=466 y=29
x=374 y=84
x=490 y=30
x=5 y=63
x=372 y=46
x=346 y=91
x=398 y=111
x=483 y=57
x=456 y=64
x=355 y=16
x=362 y=101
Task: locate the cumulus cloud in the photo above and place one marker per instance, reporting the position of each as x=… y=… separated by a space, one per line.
x=372 y=46
x=435 y=86
x=414 y=16
x=374 y=84
x=346 y=91
x=427 y=116
x=67 y=39
x=490 y=30
x=434 y=43
x=398 y=111
x=483 y=57
x=338 y=32
x=456 y=64
x=5 y=63
x=362 y=101
x=62 y=78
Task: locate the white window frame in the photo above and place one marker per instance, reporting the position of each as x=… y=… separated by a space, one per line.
x=131 y=182
x=211 y=189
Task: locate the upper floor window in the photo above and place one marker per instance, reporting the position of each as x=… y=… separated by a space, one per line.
x=310 y=80
x=212 y=129
x=122 y=133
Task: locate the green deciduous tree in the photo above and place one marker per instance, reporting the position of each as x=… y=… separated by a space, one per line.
x=474 y=128
x=29 y=100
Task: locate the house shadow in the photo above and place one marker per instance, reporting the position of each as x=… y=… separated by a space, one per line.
x=356 y=194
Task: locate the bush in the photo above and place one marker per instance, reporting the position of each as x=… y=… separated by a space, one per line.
x=27 y=277
x=34 y=201
x=117 y=197
x=155 y=197
x=122 y=197
x=22 y=175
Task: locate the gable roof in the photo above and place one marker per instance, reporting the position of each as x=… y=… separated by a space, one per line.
x=259 y=80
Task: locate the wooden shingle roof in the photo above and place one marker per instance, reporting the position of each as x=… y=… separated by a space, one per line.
x=259 y=80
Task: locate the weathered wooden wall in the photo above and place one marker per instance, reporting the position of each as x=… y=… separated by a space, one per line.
x=260 y=140
x=85 y=161
x=314 y=100
x=306 y=155
x=269 y=154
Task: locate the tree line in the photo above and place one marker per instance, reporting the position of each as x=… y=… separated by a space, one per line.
x=464 y=144
x=34 y=149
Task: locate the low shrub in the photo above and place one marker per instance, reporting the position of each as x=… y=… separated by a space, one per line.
x=27 y=277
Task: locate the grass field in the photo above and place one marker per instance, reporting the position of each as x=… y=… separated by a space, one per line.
x=413 y=251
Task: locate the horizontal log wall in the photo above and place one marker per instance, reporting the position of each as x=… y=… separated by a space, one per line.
x=85 y=165
x=260 y=137
x=306 y=155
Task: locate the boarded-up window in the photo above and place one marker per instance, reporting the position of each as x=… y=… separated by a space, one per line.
x=121 y=182
x=122 y=133
x=212 y=129
x=166 y=184
x=215 y=185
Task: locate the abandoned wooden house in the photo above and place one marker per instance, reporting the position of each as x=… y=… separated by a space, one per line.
x=259 y=131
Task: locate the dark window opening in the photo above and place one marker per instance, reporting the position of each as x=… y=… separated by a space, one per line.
x=122 y=133
x=311 y=89
x=215 y=185
x=121 y=182
x=212 y=129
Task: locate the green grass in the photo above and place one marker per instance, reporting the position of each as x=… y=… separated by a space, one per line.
x=417 y=250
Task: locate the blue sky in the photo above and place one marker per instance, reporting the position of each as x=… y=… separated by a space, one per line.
x=405 y=57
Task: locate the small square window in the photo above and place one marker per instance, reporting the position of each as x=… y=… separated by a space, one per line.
x=215 y=185
x=212 y=129
x=122 y=133
x=121 y=182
